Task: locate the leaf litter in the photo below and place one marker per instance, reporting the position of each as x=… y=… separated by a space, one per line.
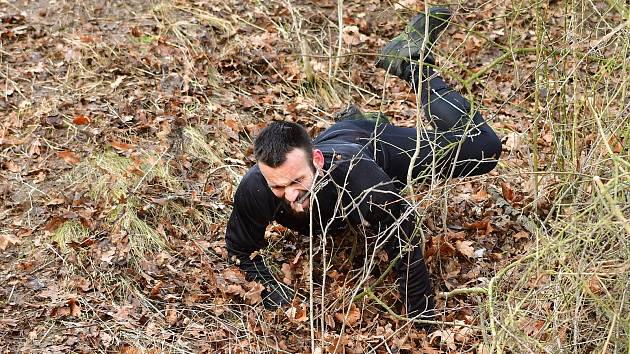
x=127 y=125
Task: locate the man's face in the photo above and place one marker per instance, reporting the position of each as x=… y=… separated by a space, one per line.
x=293 y=179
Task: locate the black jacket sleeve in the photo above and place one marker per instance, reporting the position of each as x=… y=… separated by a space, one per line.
x=372 y=198
x=251 y=214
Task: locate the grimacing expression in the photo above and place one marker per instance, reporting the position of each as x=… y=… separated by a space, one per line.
x=294 y=177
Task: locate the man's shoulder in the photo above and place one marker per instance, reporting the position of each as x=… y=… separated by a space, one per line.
x=253 y=183
x=252 y=173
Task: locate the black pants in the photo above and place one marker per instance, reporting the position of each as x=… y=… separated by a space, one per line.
x=460 y=144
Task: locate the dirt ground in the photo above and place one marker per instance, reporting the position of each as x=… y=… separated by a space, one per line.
x=127 y=125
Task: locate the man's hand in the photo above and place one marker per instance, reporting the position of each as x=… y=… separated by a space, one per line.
x=276 y=294
x=423 y=308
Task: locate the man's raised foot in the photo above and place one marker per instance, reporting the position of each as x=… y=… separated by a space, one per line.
x=407 y=46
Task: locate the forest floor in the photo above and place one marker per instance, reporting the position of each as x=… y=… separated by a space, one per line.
x=126 y=125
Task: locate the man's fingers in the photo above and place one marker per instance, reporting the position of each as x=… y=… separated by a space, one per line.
x=276 y=296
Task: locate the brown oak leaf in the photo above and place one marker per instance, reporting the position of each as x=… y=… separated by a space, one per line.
x=69 y=157
x=465 y=248
x=287 y=270
x=6 y=240
x=353 y=315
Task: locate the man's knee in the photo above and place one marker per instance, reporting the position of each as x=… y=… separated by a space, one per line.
x=490 y=153
x=495 y=148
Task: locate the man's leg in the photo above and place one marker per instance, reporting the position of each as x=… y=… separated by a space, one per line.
x=462 y=144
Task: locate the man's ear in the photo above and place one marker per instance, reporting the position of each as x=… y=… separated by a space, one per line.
x=318 y=158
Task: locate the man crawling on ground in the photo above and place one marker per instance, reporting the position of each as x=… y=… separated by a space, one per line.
x=353 y=172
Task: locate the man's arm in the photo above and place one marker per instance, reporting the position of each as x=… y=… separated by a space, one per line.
x=372 y=197
x=252 y=212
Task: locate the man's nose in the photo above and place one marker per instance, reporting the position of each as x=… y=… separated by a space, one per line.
x=291 y=194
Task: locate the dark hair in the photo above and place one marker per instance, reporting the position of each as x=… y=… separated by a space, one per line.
x=279 y=138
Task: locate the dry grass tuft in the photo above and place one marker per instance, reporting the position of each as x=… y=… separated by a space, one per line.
x=144 y=239
x=70 y=231
x=196 y=145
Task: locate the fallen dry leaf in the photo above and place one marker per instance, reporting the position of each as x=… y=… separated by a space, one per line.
x=170 y=315
x=70 y=308
x=595 y=285
x=483 y=349
x=166 y=130
x=352 y=318
x=482 y=225
x=12 y=166
x=127 y=349
x=136 y=32
x=54 y=223
x=108 y=255
x=465 y=248
x=447 y=337
x=58 y=312
x=117 y=83
x=513 y=141
x=155 y=291
x=35 y=148
x=297 y=313
x=253 y=295
x=9 y=321
x=233 y=275
x=55 y=201
x=615 y=144
x=287 y=270
x=531 y=327
x=118 y=145
x=106 y=339
x=75 y=308
x=81 y=120
x=481 y=195
x=521 y=235
x=86 y=38
x=508 y=193
x=69 y=157
x=352 y=36
x=6 y=240
x=234 y=289
x=337 y=343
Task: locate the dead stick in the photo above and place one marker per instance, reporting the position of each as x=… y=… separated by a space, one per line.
x=463 y=291
x=614 y=208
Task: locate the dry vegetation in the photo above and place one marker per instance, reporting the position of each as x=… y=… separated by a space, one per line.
x=125 y=128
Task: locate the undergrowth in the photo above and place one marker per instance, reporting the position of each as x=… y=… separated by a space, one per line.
x=140 y=247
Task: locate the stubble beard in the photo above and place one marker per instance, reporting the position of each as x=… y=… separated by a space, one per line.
x=301 y=195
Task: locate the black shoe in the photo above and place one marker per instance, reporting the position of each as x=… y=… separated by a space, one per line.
x=407 y=46
x=353 y=112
